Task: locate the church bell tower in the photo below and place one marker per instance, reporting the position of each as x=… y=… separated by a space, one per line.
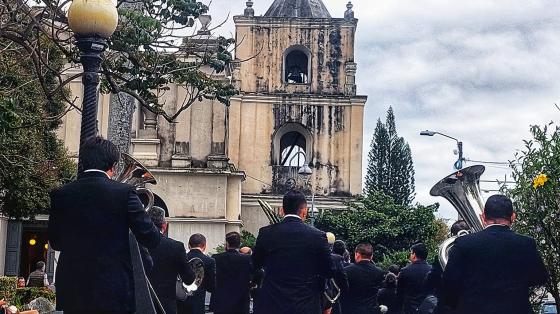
x=295 y=69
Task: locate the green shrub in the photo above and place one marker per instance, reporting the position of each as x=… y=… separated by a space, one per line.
x=8 y=288
x=25 y=295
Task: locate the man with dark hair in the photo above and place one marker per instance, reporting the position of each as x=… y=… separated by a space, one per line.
x=339 y=248
x=233 y=279
x=296 y=259
x=196 y=304
x=89 y=224
x=364 y=281
x=38 y=278
x=410 y=284
x=491 y=271
x=340 y=279
x=458 y=226
x=394 y=269
x=433 y=281
x=169 y=261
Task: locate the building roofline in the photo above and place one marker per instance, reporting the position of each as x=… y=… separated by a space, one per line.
x=292 y=21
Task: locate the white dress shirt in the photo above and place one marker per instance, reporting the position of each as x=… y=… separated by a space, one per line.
x=292 y=215
x=97 y=170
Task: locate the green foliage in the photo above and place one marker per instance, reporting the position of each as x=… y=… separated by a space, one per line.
x=538 y=206
x=25 y=295
x=8 y=287
x=390 y=227
x=247 y=239
x=32 y=159
x=144 y=55
x=390 y=169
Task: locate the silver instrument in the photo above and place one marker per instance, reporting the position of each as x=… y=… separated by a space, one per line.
x=462 y=190
x=197 y=267
x=135 y=174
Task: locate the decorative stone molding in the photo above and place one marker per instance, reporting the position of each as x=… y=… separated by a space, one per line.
x=249 y=11
x=181 y=161
x=349 y=14
x=150 y=125
x=146 y=151
x=218 y=162
x=350 y=87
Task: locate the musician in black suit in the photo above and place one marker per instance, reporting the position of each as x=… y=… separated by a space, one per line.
x=340 y=279
x=364 y=281
x=410 y=283
x=196 y=304
x=296 y=259
x=170 y=261
x=233 y=279
x=339 y=248
x=491 y=271
x=89 y=224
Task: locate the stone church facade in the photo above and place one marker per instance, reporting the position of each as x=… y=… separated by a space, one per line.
x=295 y=70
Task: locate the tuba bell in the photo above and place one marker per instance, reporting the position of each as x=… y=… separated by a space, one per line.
x=135 y=174
x=462 y=190
x=197 y=267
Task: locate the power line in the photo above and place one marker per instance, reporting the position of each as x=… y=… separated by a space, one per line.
x=492 y=162
x=258 y=180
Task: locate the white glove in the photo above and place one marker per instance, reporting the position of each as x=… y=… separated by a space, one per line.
x=383 y=309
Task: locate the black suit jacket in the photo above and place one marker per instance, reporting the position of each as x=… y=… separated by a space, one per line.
x=296 y=259
x=89 y=224
x=341 y=280
x=233 y=280
x=364 y=281
x=410 y=285
x=170 y=261
x=491 y=271
x=196 y=303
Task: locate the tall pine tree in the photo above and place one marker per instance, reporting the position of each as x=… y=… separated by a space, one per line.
x=390 y=169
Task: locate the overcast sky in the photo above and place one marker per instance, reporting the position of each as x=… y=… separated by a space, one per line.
x=480 y=70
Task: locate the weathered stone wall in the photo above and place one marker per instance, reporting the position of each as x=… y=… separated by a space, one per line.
x=336 y=126
x=264 y=40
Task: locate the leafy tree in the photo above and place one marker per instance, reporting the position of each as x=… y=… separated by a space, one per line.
x=32 y=160
x=391 y=227
x=536 y=171
x=144 y=56
x=390 y=169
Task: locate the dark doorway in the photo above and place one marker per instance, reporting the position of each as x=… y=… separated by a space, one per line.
x=34 y=246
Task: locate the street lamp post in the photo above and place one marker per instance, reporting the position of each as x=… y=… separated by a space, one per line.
x=93 y=22
x=306 y=172
x=459 y=163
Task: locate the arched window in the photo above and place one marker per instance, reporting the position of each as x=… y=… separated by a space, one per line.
x=292 y=148
x=292 y=145
x=296 y=65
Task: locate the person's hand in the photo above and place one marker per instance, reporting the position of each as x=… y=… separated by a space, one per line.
x=383 y=309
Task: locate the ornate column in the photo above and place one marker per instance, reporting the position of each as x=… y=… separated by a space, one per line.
x=350 y=87
x=145 y=148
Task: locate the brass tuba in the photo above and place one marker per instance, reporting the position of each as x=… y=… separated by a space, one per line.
x=197 y=266
x=135 y=174
x=462 y=190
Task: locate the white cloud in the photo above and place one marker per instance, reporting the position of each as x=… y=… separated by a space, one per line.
x=480 y=70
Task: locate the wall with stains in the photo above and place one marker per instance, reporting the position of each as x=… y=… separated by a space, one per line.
x=336 y=127
x=326 y=107
x=263 y=41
